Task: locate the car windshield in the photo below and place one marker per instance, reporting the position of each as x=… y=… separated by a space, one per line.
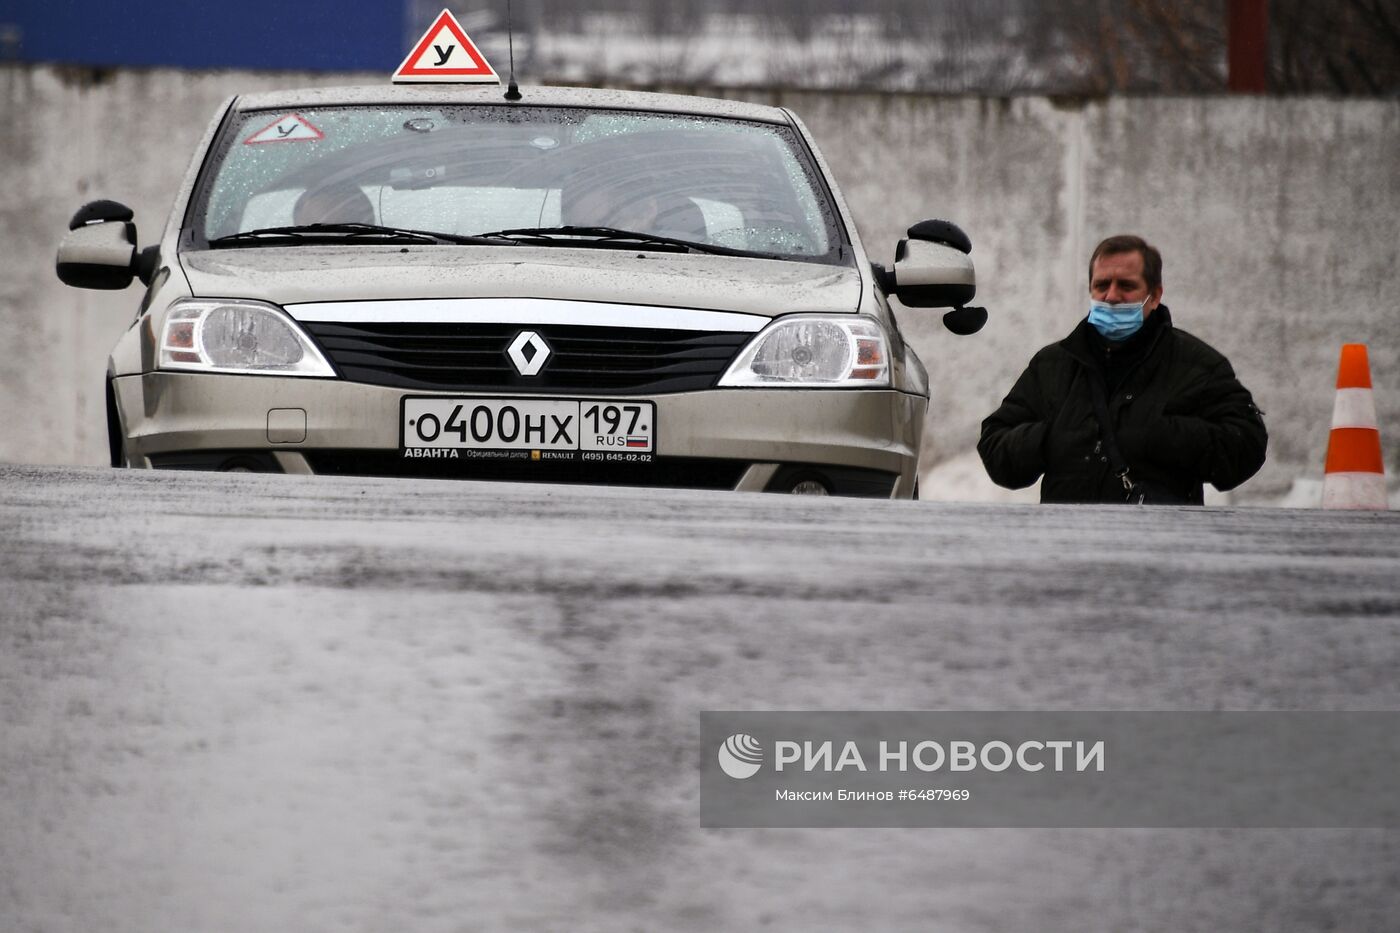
x=472 y=170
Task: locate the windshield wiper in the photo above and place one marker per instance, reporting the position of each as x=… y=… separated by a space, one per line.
x=615 y=238
x=339 y=233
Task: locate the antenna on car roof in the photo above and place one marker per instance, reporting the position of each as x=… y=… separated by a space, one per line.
x=512 y=89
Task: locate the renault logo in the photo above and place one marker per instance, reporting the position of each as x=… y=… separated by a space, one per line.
x=527 y=352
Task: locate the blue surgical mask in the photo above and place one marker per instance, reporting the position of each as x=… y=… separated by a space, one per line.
x=1116 y=321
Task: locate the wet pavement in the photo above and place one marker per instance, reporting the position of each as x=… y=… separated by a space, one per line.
x=241 y=702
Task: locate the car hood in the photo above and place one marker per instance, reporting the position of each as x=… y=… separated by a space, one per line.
x=294 y=275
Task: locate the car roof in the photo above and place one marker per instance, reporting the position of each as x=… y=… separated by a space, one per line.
x=460 y=94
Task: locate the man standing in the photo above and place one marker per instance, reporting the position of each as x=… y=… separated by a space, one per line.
x=1127 y=408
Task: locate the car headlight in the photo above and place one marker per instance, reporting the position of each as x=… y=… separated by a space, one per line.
x=811 y=350
x=237 y=336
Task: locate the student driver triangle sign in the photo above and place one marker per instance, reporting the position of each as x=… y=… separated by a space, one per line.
x=446 y=53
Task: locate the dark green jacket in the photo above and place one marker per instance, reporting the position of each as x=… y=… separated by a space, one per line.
x=1180 y=415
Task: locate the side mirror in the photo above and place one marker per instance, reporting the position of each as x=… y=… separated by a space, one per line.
x=933 y=269
x=965 y=321
x=100 y=248
x=100 y=211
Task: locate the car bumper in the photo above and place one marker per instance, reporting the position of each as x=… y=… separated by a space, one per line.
x=747 y=439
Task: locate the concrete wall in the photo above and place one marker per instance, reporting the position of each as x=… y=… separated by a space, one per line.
x=1276 y=218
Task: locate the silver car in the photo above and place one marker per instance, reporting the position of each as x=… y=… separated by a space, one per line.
x=577 y=286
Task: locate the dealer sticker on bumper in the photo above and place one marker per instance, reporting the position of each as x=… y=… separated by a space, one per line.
x=587 y=426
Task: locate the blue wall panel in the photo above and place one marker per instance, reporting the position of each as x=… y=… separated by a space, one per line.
x=281 y=34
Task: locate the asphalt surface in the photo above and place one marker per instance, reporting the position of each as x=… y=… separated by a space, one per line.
x=238 y=702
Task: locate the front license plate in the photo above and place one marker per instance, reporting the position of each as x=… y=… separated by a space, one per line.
x=529 y=424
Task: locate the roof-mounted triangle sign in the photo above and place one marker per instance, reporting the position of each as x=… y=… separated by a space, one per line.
x=446 y=54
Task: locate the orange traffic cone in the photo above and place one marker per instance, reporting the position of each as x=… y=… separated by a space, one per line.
x=1355 y=477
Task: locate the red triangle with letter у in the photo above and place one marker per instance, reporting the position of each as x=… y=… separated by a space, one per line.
x=446 y=53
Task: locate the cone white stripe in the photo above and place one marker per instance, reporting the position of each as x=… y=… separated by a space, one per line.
x=1354 y=408
x=1354 y=491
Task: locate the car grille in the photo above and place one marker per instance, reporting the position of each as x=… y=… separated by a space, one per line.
x=673 y=472
x=472 y=357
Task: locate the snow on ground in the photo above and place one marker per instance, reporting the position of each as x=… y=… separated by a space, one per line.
x=962 y=479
